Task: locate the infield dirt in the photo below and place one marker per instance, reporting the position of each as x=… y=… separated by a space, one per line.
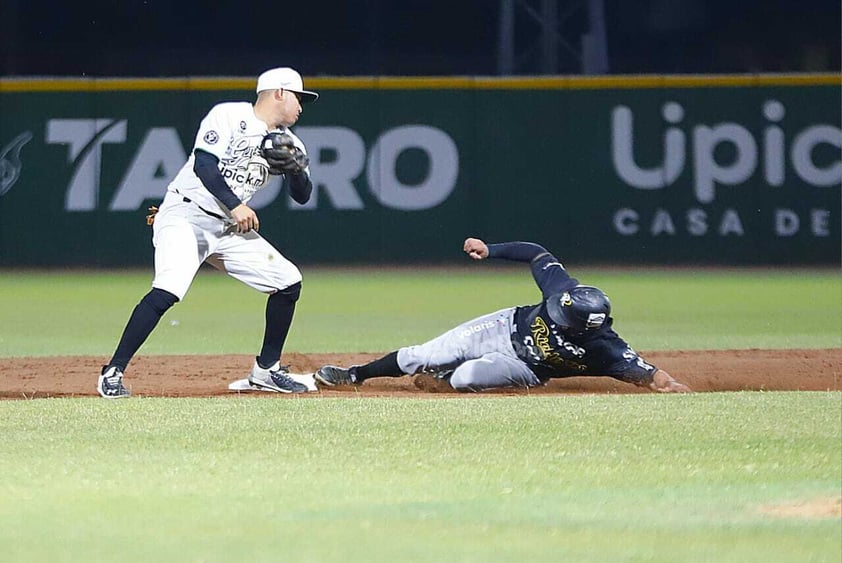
x=208 y=376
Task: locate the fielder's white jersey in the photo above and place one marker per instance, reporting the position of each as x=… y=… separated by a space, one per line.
x=231 y=132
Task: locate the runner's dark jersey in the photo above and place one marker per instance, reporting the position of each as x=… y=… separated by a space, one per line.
x=543 y=345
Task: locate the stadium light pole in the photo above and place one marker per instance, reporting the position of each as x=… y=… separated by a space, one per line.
x=589 y=47
x=594 y=43
x=506 y=38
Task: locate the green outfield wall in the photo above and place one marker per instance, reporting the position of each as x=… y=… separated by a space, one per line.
x=670 y=170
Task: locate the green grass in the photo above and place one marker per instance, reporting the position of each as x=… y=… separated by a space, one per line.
x=479 y=478
x=370 y=310
x=608 y=478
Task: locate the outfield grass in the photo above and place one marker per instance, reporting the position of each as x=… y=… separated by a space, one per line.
x=346 y=310
x=581 y=478
x=706 y=477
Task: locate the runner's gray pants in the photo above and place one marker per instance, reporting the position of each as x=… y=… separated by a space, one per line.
x=479 y=351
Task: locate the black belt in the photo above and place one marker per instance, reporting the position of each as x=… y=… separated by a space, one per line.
x=186 y=199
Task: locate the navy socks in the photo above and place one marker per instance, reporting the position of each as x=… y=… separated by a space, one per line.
x=144 y=319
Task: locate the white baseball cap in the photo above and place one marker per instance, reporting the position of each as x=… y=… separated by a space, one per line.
x=287 y=79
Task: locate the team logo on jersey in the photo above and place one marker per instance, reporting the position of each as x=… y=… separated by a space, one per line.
x=211 y=137
x=563 y=355
x=242 y=126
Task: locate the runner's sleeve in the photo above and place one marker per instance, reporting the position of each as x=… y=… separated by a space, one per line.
x=548 y=272
x=631 y=368
x=550 y=275
x=516 y=251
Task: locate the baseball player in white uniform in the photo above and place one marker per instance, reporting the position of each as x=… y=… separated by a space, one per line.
x=205 y=217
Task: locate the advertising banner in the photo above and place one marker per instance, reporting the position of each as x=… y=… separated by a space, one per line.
x=663 y=170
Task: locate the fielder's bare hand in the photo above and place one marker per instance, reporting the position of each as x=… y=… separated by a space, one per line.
x=246 y=218
x=475 y=248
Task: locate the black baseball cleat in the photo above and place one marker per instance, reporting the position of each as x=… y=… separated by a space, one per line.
x=110 y=383
x=334 y=375
x=275 y=378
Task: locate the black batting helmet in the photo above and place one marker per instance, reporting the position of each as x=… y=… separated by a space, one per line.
x=580 y=309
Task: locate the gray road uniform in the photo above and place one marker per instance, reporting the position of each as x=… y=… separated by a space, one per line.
x=525 y=346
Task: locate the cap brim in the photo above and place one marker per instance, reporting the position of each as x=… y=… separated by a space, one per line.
x=306 y=96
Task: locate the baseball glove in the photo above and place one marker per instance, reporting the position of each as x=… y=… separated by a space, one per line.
x=279 y=150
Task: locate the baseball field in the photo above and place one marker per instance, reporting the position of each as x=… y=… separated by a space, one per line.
x=584 y=469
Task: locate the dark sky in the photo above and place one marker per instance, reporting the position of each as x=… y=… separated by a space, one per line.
x=407 y=37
